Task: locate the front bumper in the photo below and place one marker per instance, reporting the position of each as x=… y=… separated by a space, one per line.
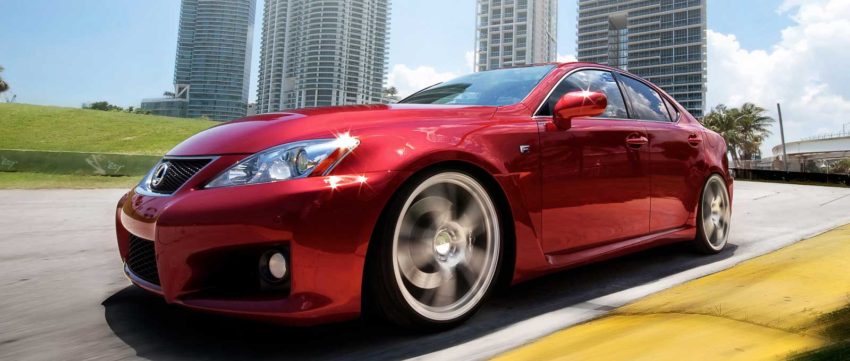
x=324 y=223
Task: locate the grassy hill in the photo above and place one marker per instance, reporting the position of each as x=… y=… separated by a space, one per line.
x=34 y=127
x=43 y=128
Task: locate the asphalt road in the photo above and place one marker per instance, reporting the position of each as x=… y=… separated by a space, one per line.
x=63 y=295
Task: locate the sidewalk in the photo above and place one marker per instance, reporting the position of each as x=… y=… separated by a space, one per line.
x=769 y=307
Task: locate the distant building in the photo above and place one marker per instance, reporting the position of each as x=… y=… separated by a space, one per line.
x=172 y=104
x=322 y=53
x=515 y=32
x=252 y=109
x=213 y=63
x=663 y=41
x=168 y=107
x=814 y=154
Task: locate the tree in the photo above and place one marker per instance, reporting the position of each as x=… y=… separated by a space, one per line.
x=744 y=128
x=721 y=121
x=102 y=105
x=754 y=126
x=391 y=94
x=842 y=166
x=4 y=86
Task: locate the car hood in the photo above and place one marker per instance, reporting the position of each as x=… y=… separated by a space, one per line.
x=256 y=133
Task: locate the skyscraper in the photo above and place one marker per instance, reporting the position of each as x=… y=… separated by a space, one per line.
x=515 y=32
x=663 y=41
x=322 y=53
x=213 y=65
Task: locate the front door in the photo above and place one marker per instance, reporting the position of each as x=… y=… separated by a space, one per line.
x=596 y=181
x=674 y=148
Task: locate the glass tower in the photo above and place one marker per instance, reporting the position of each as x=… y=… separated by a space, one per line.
x=322 y=53
x=662 y=41
x=213 y=64
x=515 y=32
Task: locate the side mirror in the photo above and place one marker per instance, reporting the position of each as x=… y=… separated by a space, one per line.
x=578 y=104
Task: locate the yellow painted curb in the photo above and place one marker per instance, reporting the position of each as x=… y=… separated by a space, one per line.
x=765 y=308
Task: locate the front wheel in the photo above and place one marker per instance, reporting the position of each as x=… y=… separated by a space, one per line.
x=439 y=252
x=714 y=216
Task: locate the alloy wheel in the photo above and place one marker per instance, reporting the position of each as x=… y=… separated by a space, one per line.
x=716 y=213
x=446 y=246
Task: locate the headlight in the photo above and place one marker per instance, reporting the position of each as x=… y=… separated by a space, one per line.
x=288 y=161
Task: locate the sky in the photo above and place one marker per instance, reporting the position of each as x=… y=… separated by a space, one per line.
x=68 y=52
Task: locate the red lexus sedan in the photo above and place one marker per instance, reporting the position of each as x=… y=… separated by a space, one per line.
x=418 y=210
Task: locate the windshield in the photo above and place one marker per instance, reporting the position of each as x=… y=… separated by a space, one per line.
x=494 y=87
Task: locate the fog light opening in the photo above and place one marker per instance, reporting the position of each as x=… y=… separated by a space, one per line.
x=273 y=266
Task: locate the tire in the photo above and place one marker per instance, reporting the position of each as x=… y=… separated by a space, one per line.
x=714 y=216
x=437 y=253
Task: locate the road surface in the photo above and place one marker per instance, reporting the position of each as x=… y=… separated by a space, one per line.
x=63 y=294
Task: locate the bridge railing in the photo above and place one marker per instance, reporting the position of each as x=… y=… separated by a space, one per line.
x=799 y=177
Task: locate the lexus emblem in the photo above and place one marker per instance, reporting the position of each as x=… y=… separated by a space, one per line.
x=159 y=173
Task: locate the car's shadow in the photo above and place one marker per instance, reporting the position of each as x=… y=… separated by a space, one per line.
x=159 y=331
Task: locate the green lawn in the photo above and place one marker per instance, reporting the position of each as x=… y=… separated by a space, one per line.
x=24 y=126
x=23 y=180
x=34 y=127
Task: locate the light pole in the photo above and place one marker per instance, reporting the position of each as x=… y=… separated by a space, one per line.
x=782 y=134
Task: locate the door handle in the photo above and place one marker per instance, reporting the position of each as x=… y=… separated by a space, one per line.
x=694 y=139
x=636 y=142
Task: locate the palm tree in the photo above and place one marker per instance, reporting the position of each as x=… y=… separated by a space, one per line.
x=721 y=120
x=753 y=125
x=3 y=85
x=744 y=128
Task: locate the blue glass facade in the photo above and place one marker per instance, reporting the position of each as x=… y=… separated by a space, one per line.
x=663 y=41
x=167 y=107
x=213 y=60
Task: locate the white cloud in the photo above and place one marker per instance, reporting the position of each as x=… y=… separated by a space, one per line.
x=568 y=58
x=804 y=71
x=409 y=80
x=470 y=60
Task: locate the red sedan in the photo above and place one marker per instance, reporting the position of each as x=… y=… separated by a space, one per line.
x=418 y=210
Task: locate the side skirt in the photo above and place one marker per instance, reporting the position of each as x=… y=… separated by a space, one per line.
x=572 y=259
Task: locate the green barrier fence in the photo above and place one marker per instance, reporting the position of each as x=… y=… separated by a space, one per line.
x=105 y=164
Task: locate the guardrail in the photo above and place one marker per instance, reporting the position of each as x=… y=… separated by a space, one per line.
x=775 y=175
x=105 y=164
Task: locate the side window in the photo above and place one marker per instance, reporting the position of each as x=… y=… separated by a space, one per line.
x=592 y=80
x=674 y=114
x=646 y=104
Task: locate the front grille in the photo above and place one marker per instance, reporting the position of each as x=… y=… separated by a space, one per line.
x=178 y=172
x=142 y=259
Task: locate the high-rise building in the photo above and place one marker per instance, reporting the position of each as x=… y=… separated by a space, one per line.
x=663 y=41
x=213 y=65
x=322 y=53
x=515 y=32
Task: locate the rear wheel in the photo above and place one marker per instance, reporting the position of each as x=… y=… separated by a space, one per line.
x=439 y=252
x=713 y=219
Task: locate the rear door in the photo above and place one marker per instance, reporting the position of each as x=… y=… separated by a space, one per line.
x=674 y=153
x=595 y=174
